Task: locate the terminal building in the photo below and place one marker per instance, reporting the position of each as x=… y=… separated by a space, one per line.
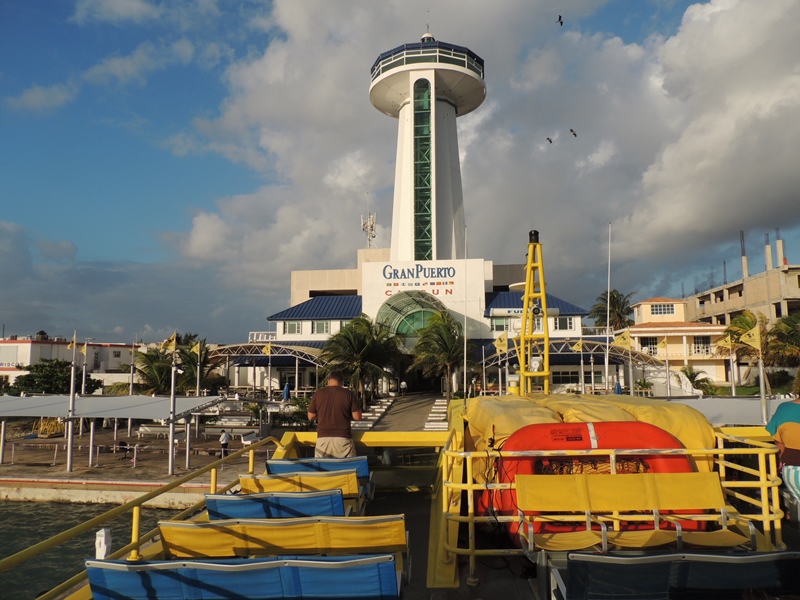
x=426 y=86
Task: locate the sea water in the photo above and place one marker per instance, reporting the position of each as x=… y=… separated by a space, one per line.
x=23 y=524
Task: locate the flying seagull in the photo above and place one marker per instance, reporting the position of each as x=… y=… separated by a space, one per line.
x=560 y=21
x=573 y=132
x=549 y=140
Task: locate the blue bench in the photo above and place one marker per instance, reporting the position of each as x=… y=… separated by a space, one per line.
x=276 y=505
x=318 y=577
x=358 y=463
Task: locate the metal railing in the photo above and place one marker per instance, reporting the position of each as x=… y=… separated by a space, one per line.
x=133 y=507
x=435 y=54
x=754 y=487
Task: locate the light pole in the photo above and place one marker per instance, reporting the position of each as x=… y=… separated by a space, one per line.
x=71 y=409
x=85 y=356
x=171 y=461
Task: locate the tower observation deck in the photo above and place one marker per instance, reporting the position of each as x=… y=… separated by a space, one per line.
x=425 y=86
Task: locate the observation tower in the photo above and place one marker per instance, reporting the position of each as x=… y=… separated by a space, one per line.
x=425 y=86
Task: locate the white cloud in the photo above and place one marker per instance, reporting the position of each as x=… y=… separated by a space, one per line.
x=210 y=239
x=730 y=166
x=57 y=250
x=116 y=11
x=126 y=69
x=682 y=140
x=44 y=98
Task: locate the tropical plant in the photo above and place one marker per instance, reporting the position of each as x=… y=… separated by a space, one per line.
x=739 y=325
x=699 y=380
x=362 y=350
x=783 y=346
x=191 y=360
x=618 y=308
x=50 y=376
x=153 y=371
x=440 y=348
x=783 y=342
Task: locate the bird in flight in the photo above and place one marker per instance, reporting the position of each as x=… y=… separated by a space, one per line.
x=573 y=132
x=560 y=21
x=549 y=140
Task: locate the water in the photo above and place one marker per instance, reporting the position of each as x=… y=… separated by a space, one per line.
x=23 y=524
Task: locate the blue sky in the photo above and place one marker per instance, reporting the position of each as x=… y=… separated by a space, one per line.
x=167 y=164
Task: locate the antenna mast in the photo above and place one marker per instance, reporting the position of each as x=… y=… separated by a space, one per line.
x=368 y=227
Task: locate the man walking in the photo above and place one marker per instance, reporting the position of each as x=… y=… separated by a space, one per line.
x=334 y=407
x=224 y=439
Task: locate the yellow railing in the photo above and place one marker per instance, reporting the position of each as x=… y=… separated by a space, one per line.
x=134 y=507
x=754 y=487
x=291 y=445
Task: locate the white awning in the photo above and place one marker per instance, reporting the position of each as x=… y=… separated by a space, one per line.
x=111 y=407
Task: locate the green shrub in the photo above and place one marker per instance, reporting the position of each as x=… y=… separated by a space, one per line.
x=779 y=378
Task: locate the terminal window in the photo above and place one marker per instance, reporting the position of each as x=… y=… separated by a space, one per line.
x=320 y=326
x=563 y=324
x=292 y=327
x=662 y=309
x=702 y=344
x=500 y=324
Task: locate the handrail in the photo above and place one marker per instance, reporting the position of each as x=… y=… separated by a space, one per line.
x=45 y=545
x=757 y=489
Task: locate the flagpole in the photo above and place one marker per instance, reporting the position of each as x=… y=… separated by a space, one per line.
x=608 y=306
x=483 y=370
x=669 y=378
x=762 y=388
x=466 y=289
x=171 y=461
x=133 y=361
x=630 y=369
x=172 y=344
x=733 y=376
x=199 y=352
x=666 y=362
x=669 y=375
x=583 y=377
x=71 y=409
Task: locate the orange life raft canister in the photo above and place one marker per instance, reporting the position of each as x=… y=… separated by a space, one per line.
x=579 y=436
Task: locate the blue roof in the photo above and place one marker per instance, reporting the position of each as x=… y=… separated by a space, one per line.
x=322 y=308
x=325 y=308
x=514 y=300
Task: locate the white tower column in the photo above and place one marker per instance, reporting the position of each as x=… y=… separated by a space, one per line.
x=426 y=86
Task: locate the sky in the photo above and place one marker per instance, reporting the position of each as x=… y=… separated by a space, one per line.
x=166 y=164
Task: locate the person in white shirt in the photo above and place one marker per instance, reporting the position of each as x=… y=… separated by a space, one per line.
x=224 y=439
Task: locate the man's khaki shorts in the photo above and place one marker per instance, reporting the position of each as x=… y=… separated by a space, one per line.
x=335 y=447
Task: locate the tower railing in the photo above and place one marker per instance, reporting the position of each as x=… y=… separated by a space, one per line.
x=417 y=53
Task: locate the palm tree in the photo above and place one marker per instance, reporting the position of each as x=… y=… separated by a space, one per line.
x=741 y=324
x=783 y=345
x=154 y=371
x=440 y=348
x=362 y=350
x=783 y=342
x=619 y=310
x=699 y=380
x=189 y=361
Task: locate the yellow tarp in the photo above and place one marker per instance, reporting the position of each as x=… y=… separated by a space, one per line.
x=582 y=409
x=506 y=414
x=499 y=416
x=690 y=426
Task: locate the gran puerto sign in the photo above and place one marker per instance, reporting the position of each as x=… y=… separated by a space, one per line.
x=455 y=283
x=418 y=272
